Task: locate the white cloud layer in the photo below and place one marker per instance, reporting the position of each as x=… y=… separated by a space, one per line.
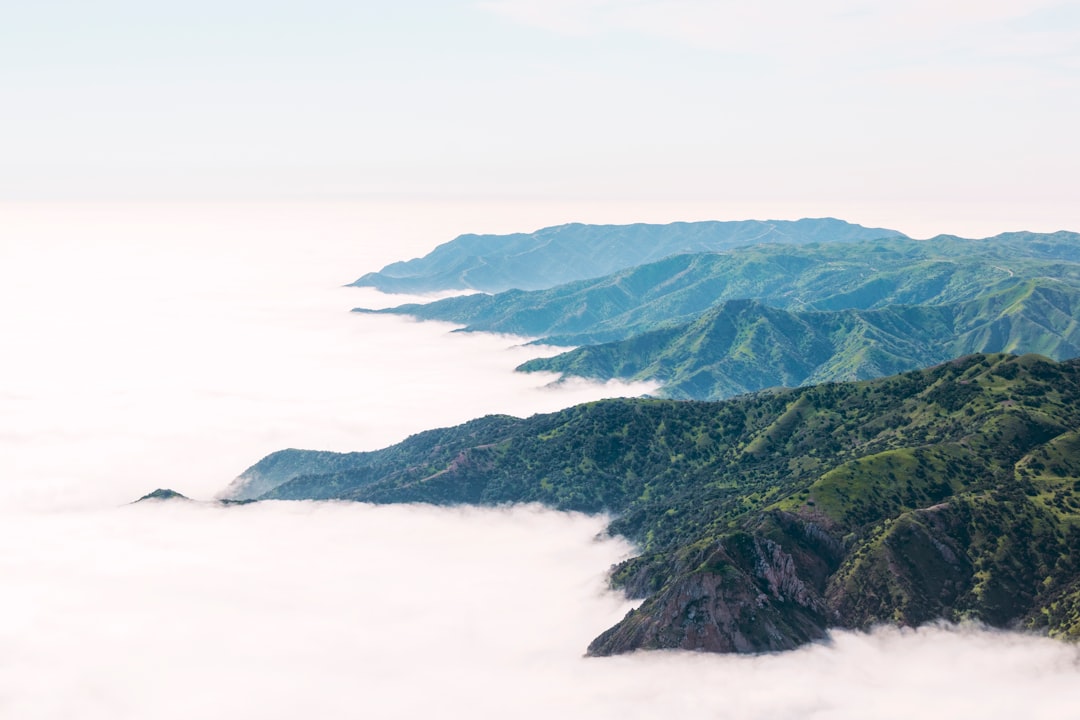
x=288 y=610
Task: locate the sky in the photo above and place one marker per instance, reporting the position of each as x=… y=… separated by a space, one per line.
x=950 y=116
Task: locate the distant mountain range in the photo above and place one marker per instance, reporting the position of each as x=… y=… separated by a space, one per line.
x=556 y=255
x=712 y=325
x=952 y=492
x=832 y=276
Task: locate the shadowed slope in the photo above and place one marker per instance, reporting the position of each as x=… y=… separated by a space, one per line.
x=742 y=346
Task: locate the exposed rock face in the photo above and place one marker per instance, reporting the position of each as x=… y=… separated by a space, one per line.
x=745 y=596
x=917 y=570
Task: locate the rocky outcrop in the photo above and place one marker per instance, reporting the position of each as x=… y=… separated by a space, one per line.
x=745 y=596
x=914 y=571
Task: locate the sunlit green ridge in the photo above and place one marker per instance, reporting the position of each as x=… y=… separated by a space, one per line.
x=948 y=493
x=742 y=346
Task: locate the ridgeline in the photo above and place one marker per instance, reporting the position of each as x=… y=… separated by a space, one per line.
x=742 y=346
x=834 y=276
x=951 y=492
x=575 y=251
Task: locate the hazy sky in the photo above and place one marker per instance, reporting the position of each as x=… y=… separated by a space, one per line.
x=939 y=111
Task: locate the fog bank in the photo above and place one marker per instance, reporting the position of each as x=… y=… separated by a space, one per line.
x=287 y=610
x=174 y=346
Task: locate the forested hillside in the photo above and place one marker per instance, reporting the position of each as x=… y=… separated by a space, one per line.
x=742 y=345
x=951 y=492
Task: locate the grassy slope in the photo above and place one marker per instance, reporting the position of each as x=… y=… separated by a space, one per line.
x=743 y=346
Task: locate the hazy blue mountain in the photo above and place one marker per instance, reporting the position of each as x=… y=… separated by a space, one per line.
x=278 y=467
x=556 y=255
x=742 y=345
x=285 y=465
x=163 y=495
x=832 y=276
x=951 y=492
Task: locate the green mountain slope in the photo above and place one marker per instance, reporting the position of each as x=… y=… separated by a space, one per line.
x=556 y=255
x=280 y=467
x=833 y=276
x=741 y=345
x=951 y=492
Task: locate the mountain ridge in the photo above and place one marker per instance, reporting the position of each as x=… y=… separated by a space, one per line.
x=832 y=276
x=763 y=521
x=742 y=346
x=575 y=251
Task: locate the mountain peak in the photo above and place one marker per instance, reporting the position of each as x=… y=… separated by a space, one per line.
x=162 y=494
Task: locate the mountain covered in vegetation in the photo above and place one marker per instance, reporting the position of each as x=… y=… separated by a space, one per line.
x=556 y=255
x=951 y=492
x=860 y=275
x=741 y=346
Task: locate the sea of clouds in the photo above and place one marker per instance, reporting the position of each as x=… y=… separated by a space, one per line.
x=174 y=346
x=330 y=610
